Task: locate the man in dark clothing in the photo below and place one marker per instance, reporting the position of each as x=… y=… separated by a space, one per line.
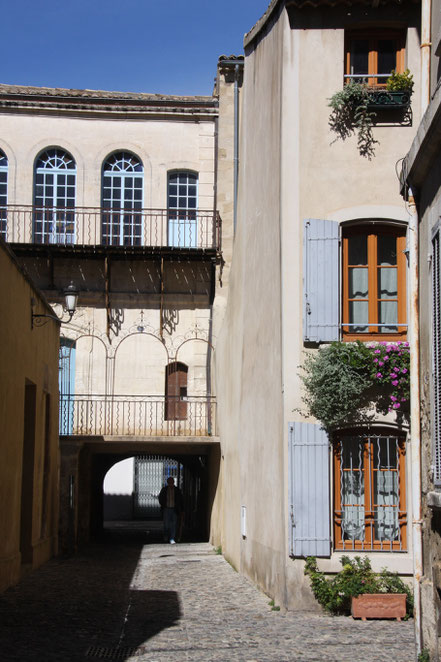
x=171 y=501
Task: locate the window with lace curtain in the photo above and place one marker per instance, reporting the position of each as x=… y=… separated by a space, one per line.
x=374 y=282
x=369 y=492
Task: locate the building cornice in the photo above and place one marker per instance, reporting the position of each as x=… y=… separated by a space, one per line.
x=99 y=103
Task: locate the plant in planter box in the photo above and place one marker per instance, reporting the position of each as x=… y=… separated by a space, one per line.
x=353 y=108
x=356 y=578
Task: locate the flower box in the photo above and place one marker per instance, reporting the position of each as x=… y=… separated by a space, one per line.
x=379 y=605
x=383 y=100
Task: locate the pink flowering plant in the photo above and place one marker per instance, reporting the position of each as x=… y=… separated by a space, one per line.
x=391 y=365
x=342 y=380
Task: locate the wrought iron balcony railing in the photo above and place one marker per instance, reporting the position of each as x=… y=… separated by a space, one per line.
x=137 y=415
x=95 y=226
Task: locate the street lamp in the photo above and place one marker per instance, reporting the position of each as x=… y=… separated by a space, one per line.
x=70 y=304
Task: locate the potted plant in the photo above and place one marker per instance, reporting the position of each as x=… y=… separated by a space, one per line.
x=354 y=108
x=358 y=590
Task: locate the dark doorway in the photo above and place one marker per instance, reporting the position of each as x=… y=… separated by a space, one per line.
x=137 y=514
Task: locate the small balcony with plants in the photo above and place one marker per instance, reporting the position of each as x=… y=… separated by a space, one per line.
x=358 y=106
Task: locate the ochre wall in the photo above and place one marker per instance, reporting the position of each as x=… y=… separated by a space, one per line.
x=27 y=357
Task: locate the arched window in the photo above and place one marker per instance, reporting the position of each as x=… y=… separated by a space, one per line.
x=176 y=391
x=182 y=202
x=3 y=193
x=369 y=491
x=54 y=197
x=122 y=195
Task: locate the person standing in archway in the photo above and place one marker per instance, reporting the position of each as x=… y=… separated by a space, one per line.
x=172 y=503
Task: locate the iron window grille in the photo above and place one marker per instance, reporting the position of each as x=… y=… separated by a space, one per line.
x=369 y=493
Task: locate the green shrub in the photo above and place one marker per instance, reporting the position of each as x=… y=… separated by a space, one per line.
x=400 y=82
x=339 y=380
x=356 y=577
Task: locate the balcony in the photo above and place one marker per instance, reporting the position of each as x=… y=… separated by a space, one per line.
x=176 y=229
x=137 y=415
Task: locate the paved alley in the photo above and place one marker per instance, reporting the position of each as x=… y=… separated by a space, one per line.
x=170 y=603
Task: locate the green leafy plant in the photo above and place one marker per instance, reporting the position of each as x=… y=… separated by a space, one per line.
x=351 y=111
x=218 y=550
x=351 y=114
x=424 y=656
x=342 y=380
x=400 y=82
x=356 y=577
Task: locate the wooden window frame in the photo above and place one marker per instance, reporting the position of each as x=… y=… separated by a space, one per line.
x=370 y=543
x=373 y=36
x=175 y=391
x=373 y=231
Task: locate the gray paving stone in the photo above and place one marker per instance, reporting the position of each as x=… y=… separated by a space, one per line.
x=162 y=603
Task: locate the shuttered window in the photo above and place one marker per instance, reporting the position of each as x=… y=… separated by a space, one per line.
x=436 y=293
x=369 y=492
x=321 y=280
x=374 y=282
x=309 y=459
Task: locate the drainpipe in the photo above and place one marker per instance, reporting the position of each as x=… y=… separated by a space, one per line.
x=415 y=419
x=425 y=54
x=236 y=142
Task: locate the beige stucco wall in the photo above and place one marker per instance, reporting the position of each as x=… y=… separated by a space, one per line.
x=27 y=356
x=160 y=144
x=248 y=356
x=289 y=171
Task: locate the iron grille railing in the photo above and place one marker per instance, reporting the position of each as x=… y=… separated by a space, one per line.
x=136 y=415
x=96 y=226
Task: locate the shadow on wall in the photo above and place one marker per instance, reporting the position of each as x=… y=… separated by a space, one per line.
x=118 y=507
x=85 y=607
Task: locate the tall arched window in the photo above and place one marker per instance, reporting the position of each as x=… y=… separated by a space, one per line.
x=54 y=197
x=182 y=202
x=3 y=193
x=122 y=195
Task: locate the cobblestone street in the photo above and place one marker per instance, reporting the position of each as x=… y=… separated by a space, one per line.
x=170 y=603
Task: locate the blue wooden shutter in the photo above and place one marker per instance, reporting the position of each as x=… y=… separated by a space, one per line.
x=321 y=281
x=309 y=487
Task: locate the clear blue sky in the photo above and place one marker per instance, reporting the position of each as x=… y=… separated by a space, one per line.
x=166 y=46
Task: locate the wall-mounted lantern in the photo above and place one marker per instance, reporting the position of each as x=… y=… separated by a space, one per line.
x=70 y=304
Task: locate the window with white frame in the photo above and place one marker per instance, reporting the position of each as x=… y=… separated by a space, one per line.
x=436 y=315
x=54 y=197
x=182 y=202
x=122 y=200
x=3 y=193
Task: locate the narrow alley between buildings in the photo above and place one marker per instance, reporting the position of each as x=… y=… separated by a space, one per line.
x=126 y=600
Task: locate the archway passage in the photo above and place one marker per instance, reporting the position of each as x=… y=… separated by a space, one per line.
x=124 y=496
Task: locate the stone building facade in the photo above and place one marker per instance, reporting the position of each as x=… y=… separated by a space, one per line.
x=304 y=201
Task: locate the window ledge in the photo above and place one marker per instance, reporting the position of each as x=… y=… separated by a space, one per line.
x=434 y=500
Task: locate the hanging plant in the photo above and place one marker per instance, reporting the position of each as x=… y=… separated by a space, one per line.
x=352 y=108
x=342 y=380
x=351 y=114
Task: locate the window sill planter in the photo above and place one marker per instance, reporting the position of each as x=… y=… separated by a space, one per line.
x=379 y=605
x=383 y=100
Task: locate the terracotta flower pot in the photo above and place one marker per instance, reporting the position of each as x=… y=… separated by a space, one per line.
x=379 y=605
